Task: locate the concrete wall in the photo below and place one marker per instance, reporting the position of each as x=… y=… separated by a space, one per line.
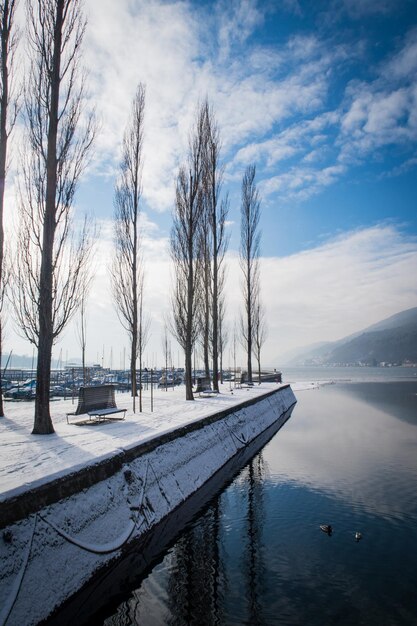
x=50 y=554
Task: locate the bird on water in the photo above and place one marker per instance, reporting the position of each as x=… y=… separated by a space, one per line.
x=326 y=528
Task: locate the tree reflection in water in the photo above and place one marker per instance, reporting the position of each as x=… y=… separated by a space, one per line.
x=253 y=554
x=192 y=585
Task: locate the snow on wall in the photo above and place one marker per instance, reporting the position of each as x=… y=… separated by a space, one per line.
x=47 y=557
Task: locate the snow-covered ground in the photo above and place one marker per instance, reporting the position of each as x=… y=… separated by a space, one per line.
x=28 y=460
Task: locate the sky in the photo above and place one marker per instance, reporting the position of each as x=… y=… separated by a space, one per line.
x=320 y=96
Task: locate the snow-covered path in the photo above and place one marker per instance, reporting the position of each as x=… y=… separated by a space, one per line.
x=28 y=460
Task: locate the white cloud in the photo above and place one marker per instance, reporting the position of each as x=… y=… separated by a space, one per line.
x=382 y=112
x=237 y=20
x=324 y=293
x=404 y=63
x=170 y=47
x=301 y=182
x=272 y=102
x=373 y=116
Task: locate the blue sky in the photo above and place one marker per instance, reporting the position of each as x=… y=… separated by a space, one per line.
x=326 y=101
x=322 y=96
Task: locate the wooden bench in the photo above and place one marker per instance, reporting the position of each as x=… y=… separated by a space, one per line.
x=204 y=387
x=241 y=379
x=98 y=403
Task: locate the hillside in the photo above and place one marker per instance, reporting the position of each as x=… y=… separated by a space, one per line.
x=393 y=340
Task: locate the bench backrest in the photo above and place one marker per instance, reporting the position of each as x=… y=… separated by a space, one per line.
x=94 y=398
x=203 y=384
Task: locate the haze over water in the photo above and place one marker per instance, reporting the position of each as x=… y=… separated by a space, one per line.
x=256 y=555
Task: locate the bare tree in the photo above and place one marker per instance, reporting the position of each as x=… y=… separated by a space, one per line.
x=249 y=259
x=53 y=262
x=216 y=211
x=127 y=268
x=259 y=333
x=186 y=251
x=8 y=43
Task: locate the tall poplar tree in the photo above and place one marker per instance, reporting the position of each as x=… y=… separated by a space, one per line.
x=186 y=251
x=216 y=210
x=249 y=260
x=127 y=269
x=52 y=263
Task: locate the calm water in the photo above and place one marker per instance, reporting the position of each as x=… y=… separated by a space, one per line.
x=255 y=554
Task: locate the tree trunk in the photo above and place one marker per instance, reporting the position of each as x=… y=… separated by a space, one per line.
x=215 y=316
x=221 y=365
x=190 y=310
x=140 y=385
x=83 y=364
x=206 y=338
x=249 y=324
x=43 y=422
x=3 y=152
x=1 y=377
x=133 y=372
x=188 y=375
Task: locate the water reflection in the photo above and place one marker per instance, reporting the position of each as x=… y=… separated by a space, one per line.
x=256 y=555
x=398 y=399
x=351 y=446
x=194 y=584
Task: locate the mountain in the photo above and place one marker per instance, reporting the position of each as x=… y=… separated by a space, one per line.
x=392 y=340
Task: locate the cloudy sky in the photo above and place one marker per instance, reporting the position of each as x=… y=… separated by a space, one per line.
x=322 y=97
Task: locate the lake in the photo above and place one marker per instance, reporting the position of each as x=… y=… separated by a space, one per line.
x=255 y=554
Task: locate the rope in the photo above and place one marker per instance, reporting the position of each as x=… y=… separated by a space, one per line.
x=10 y=602
x=114 y=545
x=104 y=548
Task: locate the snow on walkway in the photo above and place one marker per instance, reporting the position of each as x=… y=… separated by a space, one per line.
x=28 y=460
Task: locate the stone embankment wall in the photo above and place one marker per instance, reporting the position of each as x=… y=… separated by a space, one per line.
x=65 y=539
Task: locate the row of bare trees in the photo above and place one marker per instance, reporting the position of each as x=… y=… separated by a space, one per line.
x=52 y=267
x=198 y=246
